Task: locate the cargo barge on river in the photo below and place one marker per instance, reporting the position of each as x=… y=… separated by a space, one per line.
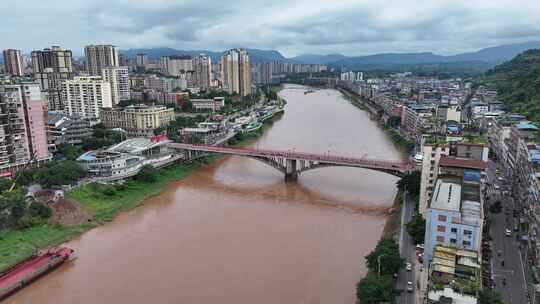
x=22 y=274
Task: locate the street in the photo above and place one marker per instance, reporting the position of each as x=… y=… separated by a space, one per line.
x=407 y=250
x=507 y=259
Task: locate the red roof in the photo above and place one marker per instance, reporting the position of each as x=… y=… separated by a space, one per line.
x=466 y=163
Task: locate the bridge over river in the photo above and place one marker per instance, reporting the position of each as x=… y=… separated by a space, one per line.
x=292 y=163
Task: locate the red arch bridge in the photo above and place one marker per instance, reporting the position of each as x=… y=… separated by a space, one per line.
x=293 y=163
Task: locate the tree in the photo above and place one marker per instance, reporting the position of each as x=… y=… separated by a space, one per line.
x=394 y=121
x=375 y=290
x=411 y=181
x=495 y=207
x=5 y=184
x=489 y=296
x=26 y=177
x=417 y=228
x=71 y=152
x=38 y=209
x=147 y=174
x=60 y=173
x=187 y=106
x=386 y=256
x=12 y=208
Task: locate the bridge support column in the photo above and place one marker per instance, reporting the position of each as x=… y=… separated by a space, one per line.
x=291 y=172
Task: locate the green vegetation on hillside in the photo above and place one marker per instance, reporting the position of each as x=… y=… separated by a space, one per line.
x=518 y=84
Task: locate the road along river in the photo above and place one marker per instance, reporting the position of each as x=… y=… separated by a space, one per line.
x=234 y=232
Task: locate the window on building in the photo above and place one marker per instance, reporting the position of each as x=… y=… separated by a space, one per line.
x=466 y=243
x=440 y=239
x=453 y=241
x=441 y=228
x=467 y=232
x=442 y=218
x=453 y=230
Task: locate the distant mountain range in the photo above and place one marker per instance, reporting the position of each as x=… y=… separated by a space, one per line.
x=478 y=61
x=256 y=55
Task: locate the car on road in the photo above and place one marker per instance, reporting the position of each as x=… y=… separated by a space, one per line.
x=410 y=287
x=408 y=266
x=508 y=232
x=501 y=179
x=496 y=187
x=497 y=171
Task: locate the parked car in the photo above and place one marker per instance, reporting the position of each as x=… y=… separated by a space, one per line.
x=410 y=286
x=508 y=232
x=408 y=266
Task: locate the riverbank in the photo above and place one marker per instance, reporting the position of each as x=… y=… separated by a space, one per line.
x=104 y=203
x=399 y=141
x=393 y=223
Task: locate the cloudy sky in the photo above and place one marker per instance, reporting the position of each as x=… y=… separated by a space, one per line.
x=350 y=27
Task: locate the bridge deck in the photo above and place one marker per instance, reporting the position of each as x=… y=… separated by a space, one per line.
x=323 y=158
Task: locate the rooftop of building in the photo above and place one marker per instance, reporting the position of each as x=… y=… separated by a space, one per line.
x=526 y=126
x=137 y=145
x=464 y=163
x=447 y=195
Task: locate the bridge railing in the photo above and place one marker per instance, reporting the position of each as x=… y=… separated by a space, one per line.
x=375 y=163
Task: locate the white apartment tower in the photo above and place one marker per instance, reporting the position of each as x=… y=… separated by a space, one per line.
x=99 y=57
x=118 y=77
x=236 y=72
x=86 y=95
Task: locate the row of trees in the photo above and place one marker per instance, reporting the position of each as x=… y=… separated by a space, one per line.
x=55 y=173
x=383 y=262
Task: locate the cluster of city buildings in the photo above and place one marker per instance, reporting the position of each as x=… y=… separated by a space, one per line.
x=50 y=98
x=275 y=71
x=441 y=117
x=456 y=131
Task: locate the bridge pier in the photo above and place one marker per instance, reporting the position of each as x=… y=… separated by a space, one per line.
x=291 y=172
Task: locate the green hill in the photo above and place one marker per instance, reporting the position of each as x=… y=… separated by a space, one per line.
x=518 y=83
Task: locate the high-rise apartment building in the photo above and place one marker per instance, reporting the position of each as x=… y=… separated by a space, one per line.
x=99 y=57
x=118 y=77
x=141 y=60
x=263 y=72
x=202 y=66
x=236 y=72
x=176 y=65
x=57 y=59
x=14 y=62
x=51 y=66
x=22 y=126
x=86 y=95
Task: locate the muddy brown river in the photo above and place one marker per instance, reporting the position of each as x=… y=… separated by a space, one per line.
x=234 y=232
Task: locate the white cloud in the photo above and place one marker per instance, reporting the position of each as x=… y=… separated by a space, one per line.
x=352 y=27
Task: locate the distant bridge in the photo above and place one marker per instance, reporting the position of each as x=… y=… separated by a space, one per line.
x=293 y=163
